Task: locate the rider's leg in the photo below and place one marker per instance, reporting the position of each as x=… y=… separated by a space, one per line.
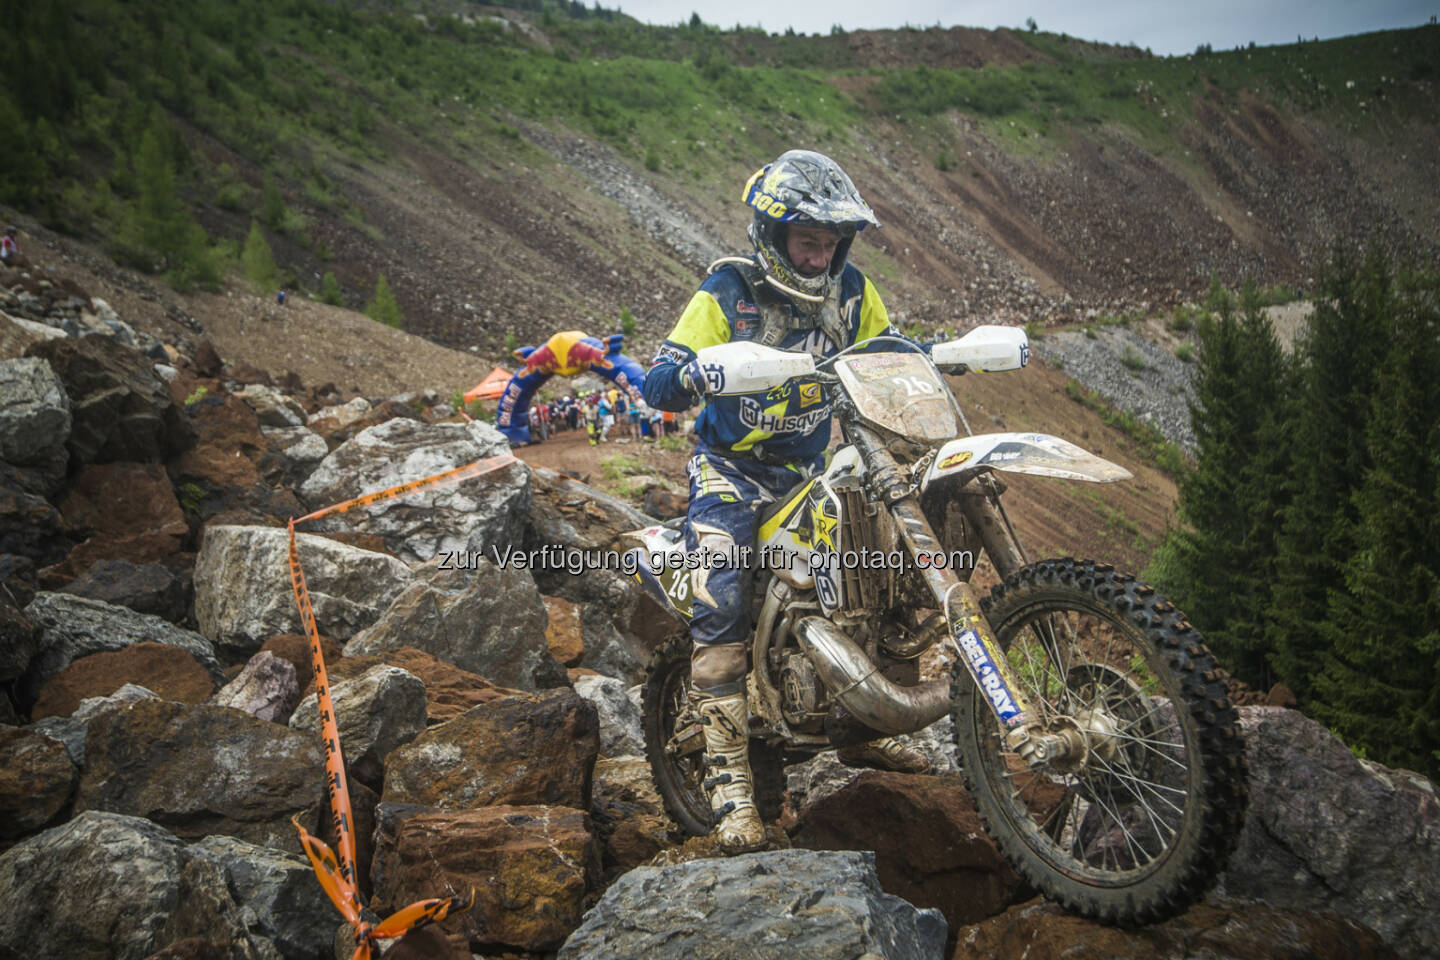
x=725 y=501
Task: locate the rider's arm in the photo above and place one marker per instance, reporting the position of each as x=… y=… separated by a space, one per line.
x=875 y=322
x=703 y=324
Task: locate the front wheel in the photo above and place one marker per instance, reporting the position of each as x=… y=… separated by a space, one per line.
x=1135 y=822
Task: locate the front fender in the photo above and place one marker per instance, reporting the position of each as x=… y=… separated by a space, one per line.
x=1034 y=453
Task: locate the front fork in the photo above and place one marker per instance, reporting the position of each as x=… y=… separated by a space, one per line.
x=970 y=632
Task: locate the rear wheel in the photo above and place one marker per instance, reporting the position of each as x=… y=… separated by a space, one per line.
x=1136 y=821
x=675 y=745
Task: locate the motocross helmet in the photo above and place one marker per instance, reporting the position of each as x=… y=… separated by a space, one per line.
x=803 y=188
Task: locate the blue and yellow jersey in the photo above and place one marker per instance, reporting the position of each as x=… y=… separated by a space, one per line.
x=792 y=420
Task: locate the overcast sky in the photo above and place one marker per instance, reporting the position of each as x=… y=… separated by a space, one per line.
x=1165 y=26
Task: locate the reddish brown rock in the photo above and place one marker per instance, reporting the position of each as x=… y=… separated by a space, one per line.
x=1043 y=931
x=520 y=750
x=450 y=690
x=930 y=846
x=121 y=500
x=170 y=672
x=531 y=868
x=37 y=779
x=295 y=647
x=562 y=631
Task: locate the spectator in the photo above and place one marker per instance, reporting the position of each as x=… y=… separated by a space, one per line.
x=9 y=249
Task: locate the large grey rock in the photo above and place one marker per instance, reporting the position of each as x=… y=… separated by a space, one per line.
x=1326 y=833
x=110 y=887
x=282 y=900
x=456 y=521
x=620 y=731
x=620 y=623
x=243 y=594
x=34 y=414
x=267 y=688
x=72 y=627
x=272 y=408
x=376 y=712
x=199 y=770
x=489 y=620
x=762 y=906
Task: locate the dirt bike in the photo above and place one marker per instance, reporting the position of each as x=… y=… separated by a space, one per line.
x=1091 y=723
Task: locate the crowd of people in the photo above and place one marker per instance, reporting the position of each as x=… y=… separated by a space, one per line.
x=605 y=415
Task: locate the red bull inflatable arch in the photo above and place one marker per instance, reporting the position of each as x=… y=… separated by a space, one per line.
x=564 y=354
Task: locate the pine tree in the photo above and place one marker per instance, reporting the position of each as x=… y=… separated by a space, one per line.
x=330 y=290
x=258 y=261
x=1338 y=357
x=1217 y=567
x=273 y=206
x=1379 y=682
x=382 y=306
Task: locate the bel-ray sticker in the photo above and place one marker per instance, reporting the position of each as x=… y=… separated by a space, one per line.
x=988 y=677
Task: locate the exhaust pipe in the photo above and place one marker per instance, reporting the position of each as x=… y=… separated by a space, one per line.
x=857 y=684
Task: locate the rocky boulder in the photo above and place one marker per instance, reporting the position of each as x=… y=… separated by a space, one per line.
x=1324 y=832
x=74 y=627
x=34 y=416
x=621 y=625
x=930 y=846
x=19 y=637
x=376 y=712
x=760 y=906
x=29 y=525
x=145 y=588
x=298 y=449
x=1043 y=931
x=521 y=750
x=455 y=522
x=272 y=407
x=168 y=671
x=71 y=730
x=265 y=688
x=283 y=901
x=489 y=620
x=200 y=770
x=119 y=409
x=37 y=779
x=531 y=868
x=243 y=594
x=110 y=887
x=620 y=732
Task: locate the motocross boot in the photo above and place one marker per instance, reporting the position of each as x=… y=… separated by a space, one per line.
x=726 y=723
x=886 y=753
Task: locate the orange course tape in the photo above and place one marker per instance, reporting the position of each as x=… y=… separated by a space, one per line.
x=336 y=869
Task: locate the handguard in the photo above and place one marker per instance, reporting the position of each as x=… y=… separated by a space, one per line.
x=988 y=349
x=727 y=369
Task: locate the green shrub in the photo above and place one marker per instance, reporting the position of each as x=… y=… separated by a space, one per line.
x=258 y=261
x=1132 y=359
x=1185 y=353
x=330 y=290
x=382 y=307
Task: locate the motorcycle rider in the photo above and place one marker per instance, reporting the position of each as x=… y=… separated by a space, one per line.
x=798 y=293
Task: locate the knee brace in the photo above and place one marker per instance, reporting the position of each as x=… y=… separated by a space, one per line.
x=717 y=665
